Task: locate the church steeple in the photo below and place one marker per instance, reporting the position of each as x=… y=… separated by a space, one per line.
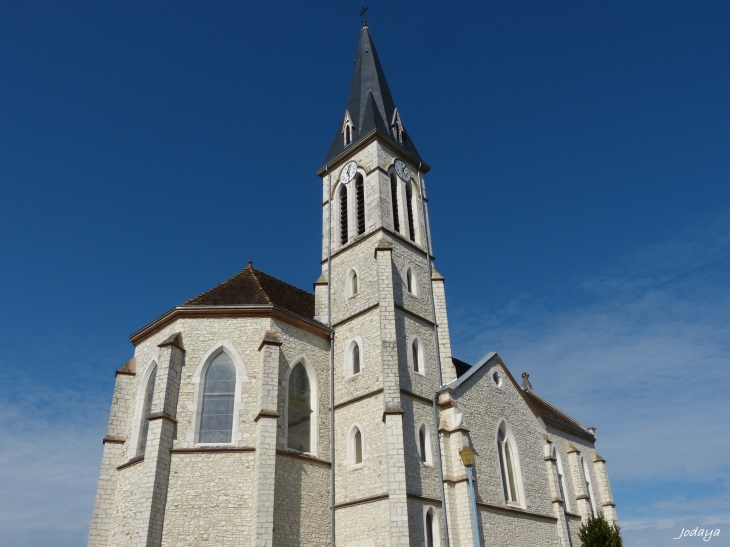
x=370 y=106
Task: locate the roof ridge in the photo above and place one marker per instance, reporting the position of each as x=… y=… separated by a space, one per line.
x=254 y=271
x=280 y=281
x=213 y=288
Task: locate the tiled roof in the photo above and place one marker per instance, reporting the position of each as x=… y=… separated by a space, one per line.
x=253 y=287
x=552 y=413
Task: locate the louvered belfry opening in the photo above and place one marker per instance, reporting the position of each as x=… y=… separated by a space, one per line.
x=394 y=199
x=343 y=215
x=409 y=206
x=347 y=135
x=360 y=192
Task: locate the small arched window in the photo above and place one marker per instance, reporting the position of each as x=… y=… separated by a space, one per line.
x=343 y=215
x=411 y=282
x=300 y=410
x=357 y=447
x=394 y=200
x=353 y=283
x=507 y=467
x=360 y=195
x=416 y=360
x=409 y=206
x=424 y=444
x=418 y=356
x=144 y=425
x=219 y=388
x=355 y=358
x=347 y=134
x=431 y=529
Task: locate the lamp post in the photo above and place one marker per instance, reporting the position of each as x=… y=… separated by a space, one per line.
x=467 y=457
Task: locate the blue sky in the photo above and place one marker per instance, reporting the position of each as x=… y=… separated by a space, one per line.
x=579 y=199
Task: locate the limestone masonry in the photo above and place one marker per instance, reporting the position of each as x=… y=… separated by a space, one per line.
x=242 y=407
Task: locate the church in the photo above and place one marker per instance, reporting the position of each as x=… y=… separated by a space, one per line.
x=260 y=414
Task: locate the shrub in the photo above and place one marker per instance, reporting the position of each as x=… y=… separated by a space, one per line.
x=597 y=532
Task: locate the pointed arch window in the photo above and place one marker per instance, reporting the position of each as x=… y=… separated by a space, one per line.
x=343 y=216
x=360 y=196
x=424 y=444
x=299 y=426
x=409 y=206
x=411 y=282
x=219 y=388
x=394 y=200
x=507 y=467
x=431 y=532
x=144 y=425
x=353 y=286
x=355 y=358
x=417 y=356
x=357 y=446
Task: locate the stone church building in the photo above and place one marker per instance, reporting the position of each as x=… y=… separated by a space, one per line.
x=259 y=414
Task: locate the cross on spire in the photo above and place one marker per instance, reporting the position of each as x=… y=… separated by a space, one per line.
x=363 y=11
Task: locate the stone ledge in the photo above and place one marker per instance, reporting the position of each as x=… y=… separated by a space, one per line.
x=515 y=511
x=173 y=340
x=608 y=504
x=130 y=463
x=302 y=456
x=270 y=339
x=557 y=500
x=161 y=416
x=361 y=501
x=114 y=439
x=266 y=414
x=392 y=410
x=359 y=398
x=583 y=497
x=212 y=450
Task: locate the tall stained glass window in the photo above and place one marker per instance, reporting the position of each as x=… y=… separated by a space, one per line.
x=216 y=421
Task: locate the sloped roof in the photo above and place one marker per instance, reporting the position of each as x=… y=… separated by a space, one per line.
x=539 y=406
x=252 y=287
x=552 y=413
x=370 y=104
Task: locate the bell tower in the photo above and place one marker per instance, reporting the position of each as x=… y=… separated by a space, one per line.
x=385 y=302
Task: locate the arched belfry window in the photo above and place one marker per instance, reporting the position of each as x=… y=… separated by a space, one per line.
x=507 y=466
x=144 y=425
x=299 y=426
x=409 y=206
x=360 y=195
x=418 y=356
x=219 y=389
x=347 y=135
x=394 y=200
x=343 y=215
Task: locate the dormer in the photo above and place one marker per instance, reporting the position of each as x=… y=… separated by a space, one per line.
x=348 y=129
x=396 y=126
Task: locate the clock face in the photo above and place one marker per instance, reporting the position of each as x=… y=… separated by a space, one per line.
x=402 y=170
x=348 y=172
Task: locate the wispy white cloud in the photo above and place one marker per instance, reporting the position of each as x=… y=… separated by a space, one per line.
x=641 y=352
x=49 y=461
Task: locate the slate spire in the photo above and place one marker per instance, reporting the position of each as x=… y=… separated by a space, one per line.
x=370 y=105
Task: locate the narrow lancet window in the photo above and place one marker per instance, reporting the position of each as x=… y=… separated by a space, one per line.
x=394 y=199
x=343 y=216
x=300 y=410
x=429 y=528
x=360 y=193
x=507 y=466
x=353 y=281
x=416 y=360
x=355 y=358
x=216 y=419
x=422 y=443
x=144 y=426
x=358 y=447
x=409 y=205
x=347 y=134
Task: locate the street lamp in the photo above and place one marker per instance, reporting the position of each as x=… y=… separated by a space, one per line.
x=467 y=457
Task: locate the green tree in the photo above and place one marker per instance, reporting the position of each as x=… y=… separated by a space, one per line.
x=597 y=532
